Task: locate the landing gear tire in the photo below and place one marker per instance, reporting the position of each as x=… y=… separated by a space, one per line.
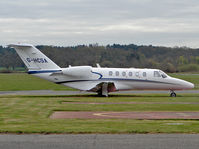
x=101 y=95
x=173 y=94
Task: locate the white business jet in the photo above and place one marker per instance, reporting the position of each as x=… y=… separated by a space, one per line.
x=97 y=79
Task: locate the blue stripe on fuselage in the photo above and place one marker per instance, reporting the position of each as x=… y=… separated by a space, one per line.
x=98 y=74
x=116 y=79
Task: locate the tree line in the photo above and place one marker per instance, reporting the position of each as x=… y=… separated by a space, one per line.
x=169 y=59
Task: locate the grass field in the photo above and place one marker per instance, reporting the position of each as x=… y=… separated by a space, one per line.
x=30 y=114
x=23 y=81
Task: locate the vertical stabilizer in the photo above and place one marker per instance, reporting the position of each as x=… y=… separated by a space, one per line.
x=33 y=58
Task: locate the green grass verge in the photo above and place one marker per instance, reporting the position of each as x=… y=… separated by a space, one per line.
x=23 y=81
x=30 y=114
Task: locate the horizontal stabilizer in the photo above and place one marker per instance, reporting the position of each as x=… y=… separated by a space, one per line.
x=19 y=45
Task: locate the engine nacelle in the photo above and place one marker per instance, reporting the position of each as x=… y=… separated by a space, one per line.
x=78 y=71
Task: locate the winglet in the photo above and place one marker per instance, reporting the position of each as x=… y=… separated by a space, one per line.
x=98 y=65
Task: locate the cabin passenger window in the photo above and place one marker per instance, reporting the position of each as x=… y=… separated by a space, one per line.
x=144 y=74
x=124 y=73
x=157 y=74
x=130 y=74
x=137 y=74
x=110 y=73
x=117 y=73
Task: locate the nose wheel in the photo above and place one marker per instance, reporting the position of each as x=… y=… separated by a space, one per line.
x=173 y=94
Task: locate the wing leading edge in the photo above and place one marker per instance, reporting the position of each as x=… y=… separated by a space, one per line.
x=102 y=88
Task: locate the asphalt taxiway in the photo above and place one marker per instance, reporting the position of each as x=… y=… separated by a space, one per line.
x=100 y=141
x=52 y=92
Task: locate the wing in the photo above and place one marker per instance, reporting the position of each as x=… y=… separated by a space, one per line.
x=92 y=86
x=98 y=88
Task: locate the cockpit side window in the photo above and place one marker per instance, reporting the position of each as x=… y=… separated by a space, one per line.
x=157 y=74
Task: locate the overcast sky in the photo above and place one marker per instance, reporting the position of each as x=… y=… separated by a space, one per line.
x=73 y=22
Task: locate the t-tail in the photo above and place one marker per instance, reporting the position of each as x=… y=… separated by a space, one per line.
x=33 y=58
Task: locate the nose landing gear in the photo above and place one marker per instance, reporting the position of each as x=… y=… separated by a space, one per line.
x=173 y=94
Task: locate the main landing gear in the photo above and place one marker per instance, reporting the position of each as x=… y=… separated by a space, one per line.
x=104 y=90
x=173 y=94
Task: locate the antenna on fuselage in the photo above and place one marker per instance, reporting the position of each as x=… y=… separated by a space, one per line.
x=98 y=65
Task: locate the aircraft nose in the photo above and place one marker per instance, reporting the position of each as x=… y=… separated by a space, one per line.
x=182 y=84
x=188 y=85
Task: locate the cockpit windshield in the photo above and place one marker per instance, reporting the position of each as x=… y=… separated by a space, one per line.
x=164 y=75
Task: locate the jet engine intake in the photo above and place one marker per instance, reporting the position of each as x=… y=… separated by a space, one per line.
x=78 y=71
